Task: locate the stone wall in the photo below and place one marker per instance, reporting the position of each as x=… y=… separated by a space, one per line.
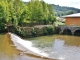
x=33 y=31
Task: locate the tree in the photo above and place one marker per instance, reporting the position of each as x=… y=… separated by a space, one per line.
x=18 y=12
x=45 y=12
x=15 y=12
x=36 y=10
x=51 y=16
x=2 y=16
x=24 y=15
x=69 y=12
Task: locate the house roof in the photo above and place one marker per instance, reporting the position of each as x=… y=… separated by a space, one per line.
x=73 y=15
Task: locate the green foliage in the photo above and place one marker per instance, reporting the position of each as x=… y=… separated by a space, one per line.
x=20 y=32
x=48 y=30
x=12 y=12
x=45 y=32
x=16 y=13
x=34 y=32
x=2 y=27
x=2 y=17
x=40 y=11
x=69 y=12
x=36 y=10
x=46 y=22
x=62 y=10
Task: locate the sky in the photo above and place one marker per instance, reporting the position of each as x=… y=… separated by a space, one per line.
x=69 y=3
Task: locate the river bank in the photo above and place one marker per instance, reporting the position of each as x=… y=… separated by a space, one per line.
x=37 y=30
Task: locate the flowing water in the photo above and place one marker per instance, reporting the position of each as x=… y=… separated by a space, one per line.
x=59 y=46
x=8 y=51
x=56 y=46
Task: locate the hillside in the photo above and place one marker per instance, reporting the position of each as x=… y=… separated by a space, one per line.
x=62 y=10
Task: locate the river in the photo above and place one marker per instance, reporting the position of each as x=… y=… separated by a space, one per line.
x=59 y=46
x=8 y=51
x=62 y=47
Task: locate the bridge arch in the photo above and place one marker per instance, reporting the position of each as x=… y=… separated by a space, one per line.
x=77 y=32
x=67 y=31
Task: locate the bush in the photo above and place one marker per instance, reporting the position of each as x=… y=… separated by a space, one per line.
x=46 y=22
x=20 y=32
x=48 y=30
x=45 y=32
x=34 y=32
x=2 y=28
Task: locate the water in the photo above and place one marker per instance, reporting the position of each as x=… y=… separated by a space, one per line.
x=9 y=51
x=56 y=46
x=59 y=46
x=26 y=46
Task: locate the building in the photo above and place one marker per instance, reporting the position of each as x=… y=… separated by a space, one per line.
x=72 y=25
x=73 y=19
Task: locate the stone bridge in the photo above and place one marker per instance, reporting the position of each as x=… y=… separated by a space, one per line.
x=71 y=28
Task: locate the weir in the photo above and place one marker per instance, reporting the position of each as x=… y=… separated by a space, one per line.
x=26 y=46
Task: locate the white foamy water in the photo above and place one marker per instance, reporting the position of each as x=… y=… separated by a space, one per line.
x=26 y=45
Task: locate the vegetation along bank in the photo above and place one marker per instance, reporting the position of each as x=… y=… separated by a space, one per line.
x=20 y=18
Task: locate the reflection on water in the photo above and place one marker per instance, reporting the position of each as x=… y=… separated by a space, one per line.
x=59 y=46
